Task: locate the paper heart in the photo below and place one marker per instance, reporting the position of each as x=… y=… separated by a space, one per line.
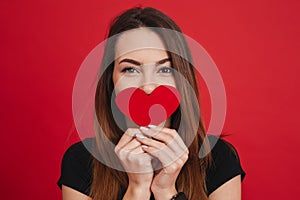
x=145 y=109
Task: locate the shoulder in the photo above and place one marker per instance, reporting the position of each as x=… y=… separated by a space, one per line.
x=76 y=167
x=225 y=164
x=222 y=149
x=77 y=154
x=79 y=147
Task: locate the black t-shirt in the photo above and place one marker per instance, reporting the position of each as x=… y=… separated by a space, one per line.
x=77 y=173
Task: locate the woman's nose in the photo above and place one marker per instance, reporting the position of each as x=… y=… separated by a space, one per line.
x=148 y=88
x=148 y=82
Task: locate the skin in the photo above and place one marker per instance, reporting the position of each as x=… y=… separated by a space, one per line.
x=147 y=69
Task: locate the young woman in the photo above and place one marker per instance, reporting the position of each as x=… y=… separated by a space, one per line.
x=158 y=161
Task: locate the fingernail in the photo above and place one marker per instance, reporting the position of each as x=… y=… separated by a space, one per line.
x=144 y=128
x=144 y=146
x=151 y=126
x=139 y=135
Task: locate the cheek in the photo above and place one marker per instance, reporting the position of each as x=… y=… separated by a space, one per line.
x=118 y=81
x=123 y=82
x=170 y=81
x=114 y=76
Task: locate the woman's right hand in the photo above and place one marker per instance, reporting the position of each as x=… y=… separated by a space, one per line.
x=137 y=165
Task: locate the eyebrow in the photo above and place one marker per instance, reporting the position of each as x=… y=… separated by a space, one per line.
x=138 y=63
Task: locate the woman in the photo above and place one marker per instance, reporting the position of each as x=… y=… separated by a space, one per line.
x=158 y=161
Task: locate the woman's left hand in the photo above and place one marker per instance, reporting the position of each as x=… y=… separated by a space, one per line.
x=167 y=146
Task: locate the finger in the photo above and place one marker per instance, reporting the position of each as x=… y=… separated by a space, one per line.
x=173 y=151
x=165 y=156
x=128 y=135
x=169 y=161
x=137 y=150
x=173 y=135
x=136 y=160
x=159 y=133
x=131 y=149
x=168 y=136
x=134 y=143
x=159 y=149
x=150 y=142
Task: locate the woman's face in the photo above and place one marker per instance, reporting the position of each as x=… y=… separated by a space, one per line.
x=141 y=62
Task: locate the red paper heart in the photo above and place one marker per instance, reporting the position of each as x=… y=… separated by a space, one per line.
x=145 y=109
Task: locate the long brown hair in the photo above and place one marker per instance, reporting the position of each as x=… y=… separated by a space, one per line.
x=108 y=183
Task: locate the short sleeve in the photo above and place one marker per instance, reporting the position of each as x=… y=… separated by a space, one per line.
x=225 y=164
x=76 y=170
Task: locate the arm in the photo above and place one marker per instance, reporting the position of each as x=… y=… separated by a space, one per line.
x=167 y=146
x=137 y=165
x=71 y=194
x=231 y=190
x=133 y=192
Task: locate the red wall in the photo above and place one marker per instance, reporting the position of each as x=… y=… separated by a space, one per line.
x=255 y=45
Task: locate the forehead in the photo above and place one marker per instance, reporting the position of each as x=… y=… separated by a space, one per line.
x=139 y=42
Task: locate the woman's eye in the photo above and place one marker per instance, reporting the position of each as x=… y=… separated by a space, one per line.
x=129 y=70
x=166 y=70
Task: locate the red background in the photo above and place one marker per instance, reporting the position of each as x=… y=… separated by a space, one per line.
x=255 y=45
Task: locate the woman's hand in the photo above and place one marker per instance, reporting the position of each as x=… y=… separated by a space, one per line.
x=167 y=146
x=137 y=164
